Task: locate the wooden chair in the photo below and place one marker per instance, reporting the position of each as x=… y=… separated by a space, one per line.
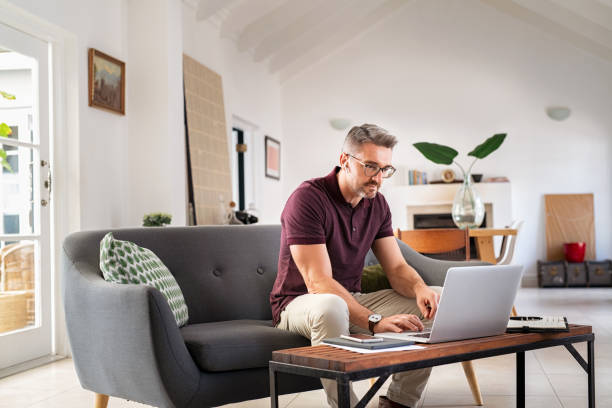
x=508 y=243
x=438 y=241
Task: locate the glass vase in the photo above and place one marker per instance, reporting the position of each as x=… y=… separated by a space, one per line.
x=468 y=209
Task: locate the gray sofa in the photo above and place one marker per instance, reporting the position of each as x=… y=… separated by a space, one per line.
x=125 y=342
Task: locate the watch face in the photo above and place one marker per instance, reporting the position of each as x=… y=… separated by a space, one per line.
x=375 y=318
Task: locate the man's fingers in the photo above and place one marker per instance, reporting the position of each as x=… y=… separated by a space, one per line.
x=409 y=322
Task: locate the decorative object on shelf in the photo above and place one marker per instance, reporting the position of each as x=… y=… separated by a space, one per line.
x=106 y=82
x=156 y=220
x=574 y=251
x=340 y=123
x=272 y=158
x=558 y=113
x=476 y=177
x=468 y=209
x=448 y=176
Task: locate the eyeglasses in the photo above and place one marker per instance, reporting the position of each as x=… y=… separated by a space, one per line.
x=371 y=169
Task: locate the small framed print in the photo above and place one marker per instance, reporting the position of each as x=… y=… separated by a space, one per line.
x=272 y=158
x=106 y=82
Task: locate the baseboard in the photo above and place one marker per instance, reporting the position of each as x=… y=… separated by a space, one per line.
x=529 y=281
x=28 y=365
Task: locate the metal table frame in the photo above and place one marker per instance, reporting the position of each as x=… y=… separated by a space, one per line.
x=344 y=378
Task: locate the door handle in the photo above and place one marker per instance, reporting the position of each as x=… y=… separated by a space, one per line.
x=47 y=183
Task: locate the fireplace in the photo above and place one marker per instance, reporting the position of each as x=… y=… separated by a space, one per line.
x=437 y=220
x=431 y=204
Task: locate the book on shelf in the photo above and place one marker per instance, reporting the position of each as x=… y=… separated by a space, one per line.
x=416 y=177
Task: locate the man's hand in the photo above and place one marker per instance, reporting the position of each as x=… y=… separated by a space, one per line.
x=427 y=301
x=399 y=323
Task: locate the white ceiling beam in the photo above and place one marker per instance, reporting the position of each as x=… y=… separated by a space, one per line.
x=208 y=8
x=244 y=14
x=335 y=33
x=592 y=10
x=573 y=19
x=287 y=35
x=275 y=20
x=557 y=29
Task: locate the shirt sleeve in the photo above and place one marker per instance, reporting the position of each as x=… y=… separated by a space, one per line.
x=386 y=230
x=303 y=218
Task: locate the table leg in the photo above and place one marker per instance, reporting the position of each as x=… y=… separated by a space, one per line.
x=591 y=373
x=520 y=379
x=344 y=393
x=273 y=388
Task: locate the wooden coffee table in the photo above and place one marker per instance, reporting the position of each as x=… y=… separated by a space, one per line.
x=345 y=366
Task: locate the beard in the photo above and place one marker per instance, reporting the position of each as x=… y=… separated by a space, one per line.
x=369 y=189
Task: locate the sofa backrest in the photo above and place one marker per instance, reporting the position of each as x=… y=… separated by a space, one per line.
x=225 y=272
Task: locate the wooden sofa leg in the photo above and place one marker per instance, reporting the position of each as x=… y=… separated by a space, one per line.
x=468 y=368
x=101 y=401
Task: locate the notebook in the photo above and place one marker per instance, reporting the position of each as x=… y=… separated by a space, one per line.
x=386 y=343
x=537 y=324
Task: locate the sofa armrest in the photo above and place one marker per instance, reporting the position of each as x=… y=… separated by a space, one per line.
x=124 y=339
x=433 y=271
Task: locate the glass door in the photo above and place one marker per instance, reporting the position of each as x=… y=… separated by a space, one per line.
x=25 y=199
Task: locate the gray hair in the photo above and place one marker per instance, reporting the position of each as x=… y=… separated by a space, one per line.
x=367 y=133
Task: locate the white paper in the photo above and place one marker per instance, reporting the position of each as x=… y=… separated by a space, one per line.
x=367 y=351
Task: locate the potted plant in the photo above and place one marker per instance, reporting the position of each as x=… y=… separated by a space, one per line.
x=156 y=219
x=468 y=209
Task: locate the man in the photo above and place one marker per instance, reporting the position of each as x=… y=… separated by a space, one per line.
x=328 y=226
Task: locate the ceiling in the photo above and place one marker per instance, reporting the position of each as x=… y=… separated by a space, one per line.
x=290 y=35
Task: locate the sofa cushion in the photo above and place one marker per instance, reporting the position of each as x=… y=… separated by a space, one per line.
x=237 y=344
x=126 y=262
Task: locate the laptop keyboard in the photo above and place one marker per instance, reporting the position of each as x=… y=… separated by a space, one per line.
x=423 y=335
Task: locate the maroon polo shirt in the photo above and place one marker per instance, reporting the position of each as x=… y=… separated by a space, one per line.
x=317 y=213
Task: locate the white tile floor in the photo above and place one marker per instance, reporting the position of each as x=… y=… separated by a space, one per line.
x=554 y=379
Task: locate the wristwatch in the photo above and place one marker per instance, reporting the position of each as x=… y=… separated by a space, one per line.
x=372 y=320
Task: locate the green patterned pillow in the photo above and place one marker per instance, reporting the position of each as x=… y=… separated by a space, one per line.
x=126 y=262
x=374 y=279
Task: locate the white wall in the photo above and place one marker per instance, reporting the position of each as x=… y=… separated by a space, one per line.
x=99 y=25
x=250 y=93
x=156 y=157
x=455 y=73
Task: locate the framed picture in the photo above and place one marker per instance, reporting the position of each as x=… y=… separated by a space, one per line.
x=272 y=158
x=106 y=82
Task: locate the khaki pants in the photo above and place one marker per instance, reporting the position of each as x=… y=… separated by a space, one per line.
x=318 y=316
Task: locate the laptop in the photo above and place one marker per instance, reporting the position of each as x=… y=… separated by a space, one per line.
x=476 y=301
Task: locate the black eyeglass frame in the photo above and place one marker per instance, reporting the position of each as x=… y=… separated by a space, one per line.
x=370 y=166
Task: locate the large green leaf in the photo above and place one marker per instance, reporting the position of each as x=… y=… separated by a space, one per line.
x=437 y=153
x=7 y=95
x=489 y=146
x=5 y=130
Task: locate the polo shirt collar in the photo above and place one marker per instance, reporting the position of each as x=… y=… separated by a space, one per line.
x=332 y=186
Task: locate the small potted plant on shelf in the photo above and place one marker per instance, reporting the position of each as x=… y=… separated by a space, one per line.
x=156 y=220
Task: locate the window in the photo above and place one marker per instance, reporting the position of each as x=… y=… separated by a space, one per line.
x=11 y=223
